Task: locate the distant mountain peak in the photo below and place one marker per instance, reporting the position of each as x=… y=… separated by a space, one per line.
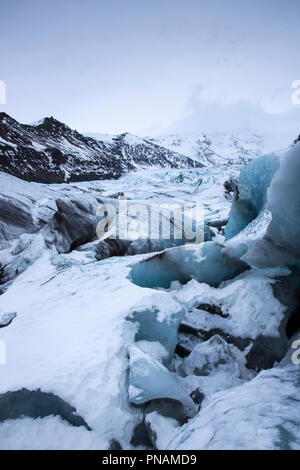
x=51 y=124
x=5 y=118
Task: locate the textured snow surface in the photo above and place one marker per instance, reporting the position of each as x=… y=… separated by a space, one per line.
x=261 y=414
x=27 y=207
x=70 y=334
x=49 y=433
x=248 y=291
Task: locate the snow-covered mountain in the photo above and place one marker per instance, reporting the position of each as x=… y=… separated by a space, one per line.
x=214 y=149
x=51 y=152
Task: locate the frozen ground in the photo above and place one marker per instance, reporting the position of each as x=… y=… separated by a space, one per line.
x=84 y=333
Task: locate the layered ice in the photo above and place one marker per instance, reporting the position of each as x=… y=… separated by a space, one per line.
x=253 y=318
x=251 y=193
x=281 y=244
x=157 y=317
x=207 y=262
x=150 y=380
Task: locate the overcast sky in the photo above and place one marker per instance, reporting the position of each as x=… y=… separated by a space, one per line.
x=117 y=65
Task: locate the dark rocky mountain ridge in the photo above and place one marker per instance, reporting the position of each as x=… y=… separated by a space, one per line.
x=51 y=152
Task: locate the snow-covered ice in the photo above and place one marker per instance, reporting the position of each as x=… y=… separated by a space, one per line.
x=260 y=414
x=148 y=340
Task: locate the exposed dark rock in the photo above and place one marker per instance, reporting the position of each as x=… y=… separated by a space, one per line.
x=218 y=224
x=231 y=188
x=287 y=291
x=213 y=309
x=183 y=349
x=117 y=195
x=168 y=408
x=114 y=445
x=37 y=404
x=141 y=436
x=111 y=247
x=231 y=185
x=51 y=152
x=73 y=224
x=265 y=351
x=164 y=407
x=197 y=396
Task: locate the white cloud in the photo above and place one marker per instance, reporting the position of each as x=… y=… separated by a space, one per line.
x=201 y=115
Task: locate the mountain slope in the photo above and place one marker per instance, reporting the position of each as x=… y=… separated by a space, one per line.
x=215 y=149
x=51 y=152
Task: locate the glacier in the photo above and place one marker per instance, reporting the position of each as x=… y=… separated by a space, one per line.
x=128 y=345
